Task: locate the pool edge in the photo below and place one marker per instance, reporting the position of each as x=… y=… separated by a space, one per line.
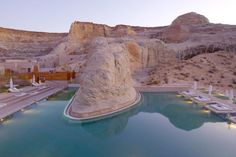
x=101 y=116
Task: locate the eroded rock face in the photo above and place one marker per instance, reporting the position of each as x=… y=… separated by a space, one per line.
x=121 y=31
x=80 y=31
x=14 y=43
x=106 y=81
x=145 y=53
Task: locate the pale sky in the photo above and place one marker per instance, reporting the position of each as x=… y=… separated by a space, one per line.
x=57 y=15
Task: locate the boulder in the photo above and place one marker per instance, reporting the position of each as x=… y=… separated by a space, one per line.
x=191 y=18
x=179 y=30
x=106 y=83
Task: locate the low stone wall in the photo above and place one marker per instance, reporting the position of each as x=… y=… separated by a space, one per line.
x=162 y=88
x=99 y=114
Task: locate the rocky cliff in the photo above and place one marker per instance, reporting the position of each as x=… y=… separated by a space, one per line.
x=85 y=31
x=17 y=43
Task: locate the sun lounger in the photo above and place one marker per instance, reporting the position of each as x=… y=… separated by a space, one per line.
x=13 y=90
x=219 y=108
x=2 y=105
x=188 y=93
x=201 y=99
x=35 y=84
x=42 y=87
x=21 y=94
x=34 y=93
x=232 y=119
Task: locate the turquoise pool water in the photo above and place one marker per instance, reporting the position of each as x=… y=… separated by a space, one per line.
x=162 y=125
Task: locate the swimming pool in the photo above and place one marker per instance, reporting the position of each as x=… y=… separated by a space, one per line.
x=162 y=125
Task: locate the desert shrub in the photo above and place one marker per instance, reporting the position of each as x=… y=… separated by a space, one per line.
x=177 y=67
x=234 y=81
x=185 y=74
x=195 y=79
x=211 y=71
x=166 y=80
x=153 y=82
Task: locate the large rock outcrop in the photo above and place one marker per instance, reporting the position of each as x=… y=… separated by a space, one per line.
x=82 y=33
x=106 y=84
x=85 y=31
x=191 y=18
x=179 y=30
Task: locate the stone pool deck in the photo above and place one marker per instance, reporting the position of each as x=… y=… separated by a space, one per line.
x=164 y=88
x=13 y=102
x=215 y=99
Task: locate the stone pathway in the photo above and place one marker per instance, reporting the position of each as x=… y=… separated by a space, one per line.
x=16 y=101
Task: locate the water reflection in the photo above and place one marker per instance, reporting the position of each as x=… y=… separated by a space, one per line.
x=177 y=110
x=113 y=125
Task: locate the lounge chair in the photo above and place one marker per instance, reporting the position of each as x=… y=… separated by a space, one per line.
x=42 y=87
x=188 y=93
x=232 y=119
x=21 y=94
x=35 y=84
x=2 y=105
x=219 y=107
x=13 y=90
x=34 y=93
x=201 y=99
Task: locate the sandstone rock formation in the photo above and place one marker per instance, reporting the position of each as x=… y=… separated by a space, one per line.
x=191 y=18
x=83 y=31
x=146 y=53
x=106 y=84
x=179 y=30
x=16 y=43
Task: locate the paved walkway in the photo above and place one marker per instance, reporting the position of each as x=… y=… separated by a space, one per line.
x=13 y=102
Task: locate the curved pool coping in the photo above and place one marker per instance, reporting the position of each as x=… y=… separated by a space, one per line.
x=100 y=116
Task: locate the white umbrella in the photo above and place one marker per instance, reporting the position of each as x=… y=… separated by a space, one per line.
x=33 y=79
x=195 y=85
x=210 y=89
x=227 y=93
x=231 y=94
x=11 y=83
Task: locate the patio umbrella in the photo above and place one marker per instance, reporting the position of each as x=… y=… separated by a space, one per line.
x=33 y=79
x=11 y=83
x=195 y=85
x=210 y=89
x=231 y=94
x=227 y=93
